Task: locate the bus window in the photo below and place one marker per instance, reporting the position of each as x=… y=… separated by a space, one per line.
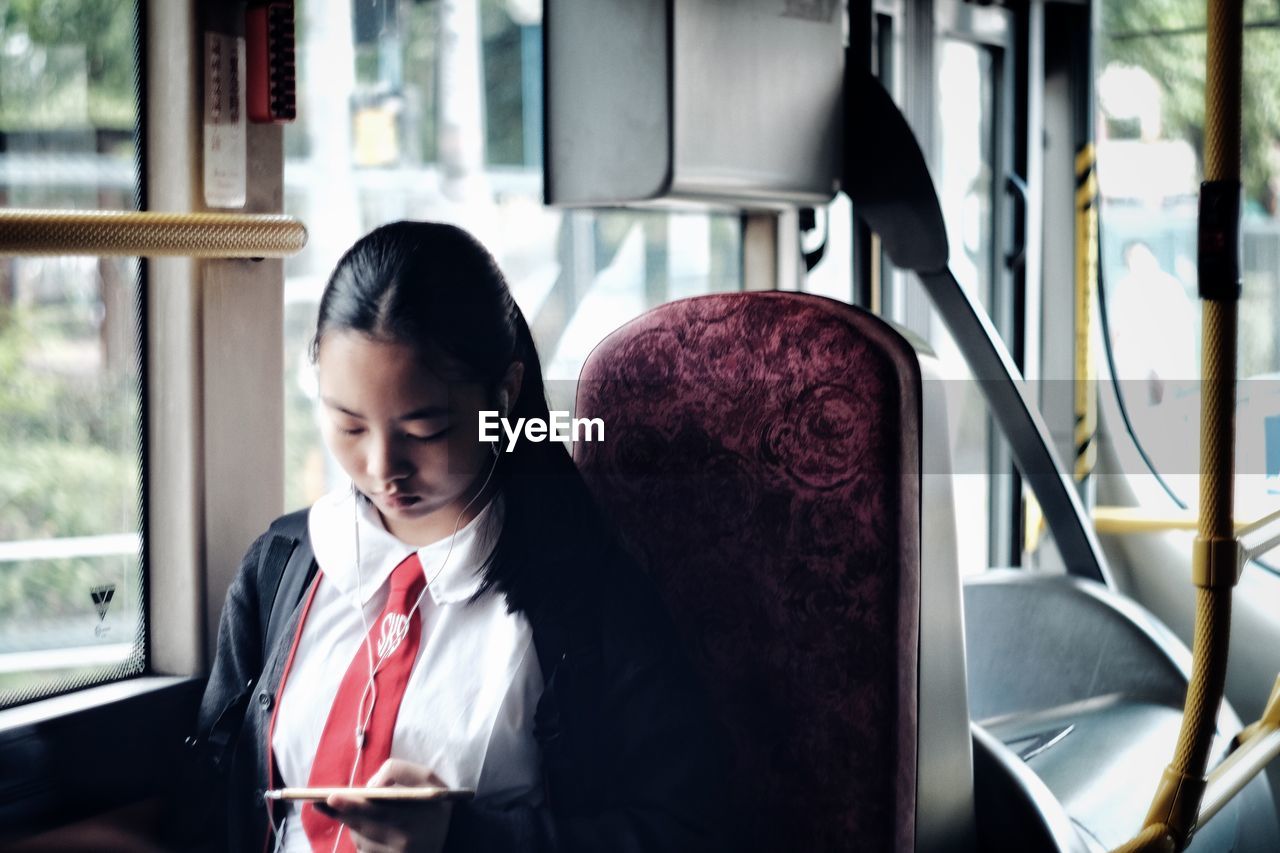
x=1149 y=129
x=832 y=276
x=70 y=396
x=965 y=164
x=433 y=111
x=969 y=160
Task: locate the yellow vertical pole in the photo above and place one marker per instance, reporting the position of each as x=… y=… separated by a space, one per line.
x=1174 y=811
x=1085 y=400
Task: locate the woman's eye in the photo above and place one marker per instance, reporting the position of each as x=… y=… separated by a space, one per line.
x=352 y=431
x=436 y=436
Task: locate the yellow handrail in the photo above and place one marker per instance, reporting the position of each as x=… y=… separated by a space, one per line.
x=146 y=234
x=1127 y=520
x=1256 y=746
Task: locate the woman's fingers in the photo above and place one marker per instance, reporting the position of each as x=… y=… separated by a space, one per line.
x=395 y=771
x=376 y=833
x=383 y=826
x=365 y=845
x=351 y=809
x=397 y=815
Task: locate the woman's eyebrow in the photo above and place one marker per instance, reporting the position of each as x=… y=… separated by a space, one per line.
x=424 y=413
x=419 y=414
x=333 y=405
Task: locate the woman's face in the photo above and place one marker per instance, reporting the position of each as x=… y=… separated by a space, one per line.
x=408 y=439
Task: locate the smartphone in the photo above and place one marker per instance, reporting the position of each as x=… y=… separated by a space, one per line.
x=392 y=793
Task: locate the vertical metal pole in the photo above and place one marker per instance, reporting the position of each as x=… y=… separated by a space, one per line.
x=1085 y=396
x=1216 y=558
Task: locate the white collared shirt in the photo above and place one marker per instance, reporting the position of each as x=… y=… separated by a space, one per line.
x=467 y=712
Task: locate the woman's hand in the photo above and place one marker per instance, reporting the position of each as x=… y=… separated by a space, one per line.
x=394 y=827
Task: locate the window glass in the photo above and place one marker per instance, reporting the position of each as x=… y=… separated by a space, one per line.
x=70 y=397
x=964 y=158
x=412 y=110
x=1150 y=127
x=963 y=171
x=832 y=276
x=963 y=168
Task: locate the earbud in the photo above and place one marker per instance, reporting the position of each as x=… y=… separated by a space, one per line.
x=504 y=405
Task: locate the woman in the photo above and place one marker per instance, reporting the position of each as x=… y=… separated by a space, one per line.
x=472 y=623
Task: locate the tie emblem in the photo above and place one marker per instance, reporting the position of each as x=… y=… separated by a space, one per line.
x=395 y=627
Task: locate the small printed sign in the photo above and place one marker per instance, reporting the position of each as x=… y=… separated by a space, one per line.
x=225 y=128
x=102 y=596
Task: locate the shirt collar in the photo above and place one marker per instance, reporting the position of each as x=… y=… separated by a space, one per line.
x=333 y=539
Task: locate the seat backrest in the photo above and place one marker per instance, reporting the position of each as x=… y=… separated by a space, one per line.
x=762 y=459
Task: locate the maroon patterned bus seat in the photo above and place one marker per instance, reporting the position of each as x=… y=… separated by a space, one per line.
x=762 y=460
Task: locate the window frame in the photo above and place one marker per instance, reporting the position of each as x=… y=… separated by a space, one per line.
x=65 y=687
x=211 y=339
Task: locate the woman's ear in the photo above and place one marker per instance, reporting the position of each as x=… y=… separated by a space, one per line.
x=510 y=387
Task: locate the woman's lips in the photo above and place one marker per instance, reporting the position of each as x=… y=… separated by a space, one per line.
x=400 y=501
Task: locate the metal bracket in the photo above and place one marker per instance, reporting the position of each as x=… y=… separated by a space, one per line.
x=1215 y=563
x=1177 y=804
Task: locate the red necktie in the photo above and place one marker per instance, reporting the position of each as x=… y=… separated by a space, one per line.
x=394 y=639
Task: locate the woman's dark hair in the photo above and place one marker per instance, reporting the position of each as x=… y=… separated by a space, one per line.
x=436 y=288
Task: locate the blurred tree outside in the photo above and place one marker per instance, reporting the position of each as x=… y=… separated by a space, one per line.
x=1166 y=38
x=70 y=399
x=42 y=37
x=69 y=455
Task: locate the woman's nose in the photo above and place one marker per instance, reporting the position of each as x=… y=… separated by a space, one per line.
x=386 y=461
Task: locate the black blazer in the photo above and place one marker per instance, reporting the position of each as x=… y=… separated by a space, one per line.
x=629 y=756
